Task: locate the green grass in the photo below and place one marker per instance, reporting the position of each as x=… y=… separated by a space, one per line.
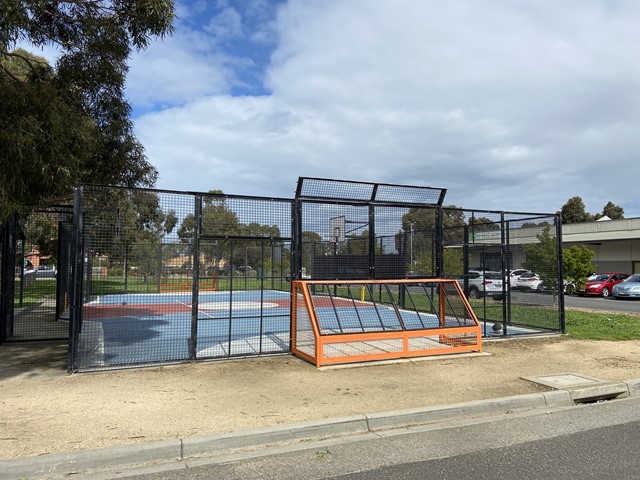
x=136 y=284
x=585 y=325
x=580 y=324
x=34 y=292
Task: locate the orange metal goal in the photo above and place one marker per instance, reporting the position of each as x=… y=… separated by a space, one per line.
x=363 y=320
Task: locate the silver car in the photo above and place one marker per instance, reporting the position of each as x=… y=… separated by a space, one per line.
x=630 y=288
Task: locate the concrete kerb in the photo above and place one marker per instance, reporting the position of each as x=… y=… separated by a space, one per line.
x=83 y=461
x=168 y=451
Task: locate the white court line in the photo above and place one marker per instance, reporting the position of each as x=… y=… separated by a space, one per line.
x=199 y=311
x=255 y=306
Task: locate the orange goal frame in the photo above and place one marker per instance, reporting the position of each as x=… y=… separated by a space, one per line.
x=310 y=343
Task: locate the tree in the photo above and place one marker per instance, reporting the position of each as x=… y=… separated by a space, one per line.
x=218 y=222
x=421 y=222
x=574 y=211
x=71 y=123
x=576 y=265
x=542 y=258
x=129 y=228
x=45 y=138
x=483 y=224
x=614 y=212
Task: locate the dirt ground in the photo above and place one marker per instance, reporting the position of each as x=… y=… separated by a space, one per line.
x=44 y=410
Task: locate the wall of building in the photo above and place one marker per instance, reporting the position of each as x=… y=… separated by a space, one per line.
x=613 y=255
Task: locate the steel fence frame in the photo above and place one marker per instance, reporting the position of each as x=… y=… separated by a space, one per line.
x=387 y=231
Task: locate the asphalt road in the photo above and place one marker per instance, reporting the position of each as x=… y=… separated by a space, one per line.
x=616 y=449
x=599 y=303
x=596 y=441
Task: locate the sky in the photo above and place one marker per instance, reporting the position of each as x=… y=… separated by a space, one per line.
x=510 y=106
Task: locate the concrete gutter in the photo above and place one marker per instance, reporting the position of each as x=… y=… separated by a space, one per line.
x=167 y=451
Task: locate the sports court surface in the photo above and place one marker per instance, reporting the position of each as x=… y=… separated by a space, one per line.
x=129 y=329
x=140 y=328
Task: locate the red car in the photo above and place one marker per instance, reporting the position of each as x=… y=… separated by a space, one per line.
x=600 y=284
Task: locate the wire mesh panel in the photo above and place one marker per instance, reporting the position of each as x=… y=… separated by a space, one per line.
x=247 y=309
x=355 y=230
x=488 y=252
x=348 y=190
x=134 y=307
x=34 y=284
x=407 y=236
x=170 y=276
x=535 y=276
x=354 y=321
x=335 y=241
x=7 y=278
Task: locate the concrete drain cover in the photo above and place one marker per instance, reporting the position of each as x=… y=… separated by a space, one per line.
x=563 y=380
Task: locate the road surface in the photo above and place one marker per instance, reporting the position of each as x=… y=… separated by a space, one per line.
x=596 y=441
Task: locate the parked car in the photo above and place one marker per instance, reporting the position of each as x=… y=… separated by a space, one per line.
x=414 y=274
x=629 y=288
x=529 y=281
x=46 y=271
x=515 y=274
x=482 y=284
x=600 y=284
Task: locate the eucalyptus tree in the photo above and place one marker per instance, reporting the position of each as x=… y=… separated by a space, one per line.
x=71 y=122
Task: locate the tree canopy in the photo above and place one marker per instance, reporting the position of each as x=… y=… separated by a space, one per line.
x=542 y=258
x=614 y=212
x=574 y=212
x=71 y=122
x=576 y=263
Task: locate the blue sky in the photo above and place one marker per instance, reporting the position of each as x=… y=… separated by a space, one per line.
x=514 y=106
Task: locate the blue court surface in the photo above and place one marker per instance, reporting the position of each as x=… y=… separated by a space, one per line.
x=130 y=329
x=127 y=329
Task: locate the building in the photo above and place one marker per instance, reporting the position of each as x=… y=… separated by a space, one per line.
x=615 y=243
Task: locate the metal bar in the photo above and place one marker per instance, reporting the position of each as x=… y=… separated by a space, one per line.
x=77 y=276
x=372 y=239
x=185 y=192
x=439 y=257
x=230 y=299
x=195 y=275
x=335 y=311
x=355 y=308
x=242 y=237
x=560 y=273
x=395 y=306
x=375 y=306
x=413 y=304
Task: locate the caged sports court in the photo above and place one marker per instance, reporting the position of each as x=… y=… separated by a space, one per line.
x=344 y=272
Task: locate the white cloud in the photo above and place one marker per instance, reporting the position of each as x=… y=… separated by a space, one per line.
x=177 y=70
x=511 y=106
x=225 y=25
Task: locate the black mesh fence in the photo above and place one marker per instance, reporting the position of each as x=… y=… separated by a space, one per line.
x=508 y=265
x=357 y=230
x=151 y=276
x=35 y=299
x=170 y=276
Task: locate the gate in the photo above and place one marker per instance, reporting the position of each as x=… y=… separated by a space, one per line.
x=35 y=275
x=488 y=250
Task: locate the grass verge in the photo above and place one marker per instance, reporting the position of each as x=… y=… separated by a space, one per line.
x=588 y=325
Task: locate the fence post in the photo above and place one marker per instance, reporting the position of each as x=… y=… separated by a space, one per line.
x=7 y=282
x=77 y=277
x=195 y=276
x=560 y=272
